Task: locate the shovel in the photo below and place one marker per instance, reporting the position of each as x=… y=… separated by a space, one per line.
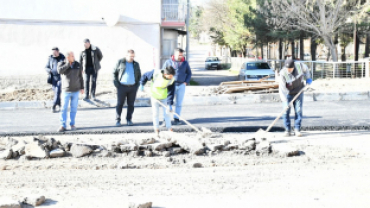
x=261 y=134
x=203 y=134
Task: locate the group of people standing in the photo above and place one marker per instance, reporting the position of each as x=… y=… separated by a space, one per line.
x=70 y=78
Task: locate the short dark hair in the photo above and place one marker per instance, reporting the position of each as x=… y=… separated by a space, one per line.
x=86 y=40
x=178 y=50
x=169 y=70
x=131 y=51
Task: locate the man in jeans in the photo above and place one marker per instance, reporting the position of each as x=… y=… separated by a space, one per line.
x=72 y=85
x=182 y=79
x=90 y=61
x=293 y=77
x=126 y=78
x=161 y=79
x=51 y=69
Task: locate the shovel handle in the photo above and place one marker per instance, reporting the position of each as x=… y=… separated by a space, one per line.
x=285 y=109
x=189 y=124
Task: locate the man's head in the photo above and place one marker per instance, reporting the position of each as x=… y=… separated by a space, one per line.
x=55 y=51
x=169 y=72
x=130 y=55
x=87 y=43
x=70 y=56
x=178 y=54
x=289 y=64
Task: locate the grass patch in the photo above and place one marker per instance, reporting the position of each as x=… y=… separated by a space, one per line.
x=234 y=71
x=193 y=83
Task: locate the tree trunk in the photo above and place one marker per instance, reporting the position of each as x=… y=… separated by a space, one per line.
x=313 y=49
x=329 y=43
x=344 y=53
x=367 y=45
x=280 y=49
x=292 y=49
x=262 y=51
x=313 y=53
x=357 y=45
x=301 y=46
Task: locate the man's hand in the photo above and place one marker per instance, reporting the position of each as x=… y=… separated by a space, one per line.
x=169 y=109
x=82 y=91
x=186 y=84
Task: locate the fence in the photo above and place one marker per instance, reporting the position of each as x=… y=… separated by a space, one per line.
x=172 y=11
x=319 y=69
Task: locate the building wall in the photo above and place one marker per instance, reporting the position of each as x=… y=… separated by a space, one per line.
x=30 y=28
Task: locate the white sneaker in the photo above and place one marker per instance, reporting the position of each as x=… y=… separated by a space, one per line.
x=297 y=133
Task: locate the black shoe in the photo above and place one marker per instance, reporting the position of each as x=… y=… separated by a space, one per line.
x=93 y=98
x=129 y=123
x=86 y=98
x=53 y=109
x=176 y=122
x=118 y=123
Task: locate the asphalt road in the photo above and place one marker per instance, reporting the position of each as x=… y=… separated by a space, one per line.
x=203 y=77
x=224 y=118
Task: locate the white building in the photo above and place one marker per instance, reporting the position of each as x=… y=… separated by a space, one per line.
x=30 y=28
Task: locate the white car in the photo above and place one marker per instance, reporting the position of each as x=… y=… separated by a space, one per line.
x=256 y=70
x=212 y=63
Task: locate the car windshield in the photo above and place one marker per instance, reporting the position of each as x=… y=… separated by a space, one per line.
x=252 y=66
x=212 y=59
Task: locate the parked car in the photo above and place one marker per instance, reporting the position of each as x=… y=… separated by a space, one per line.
x=256 y=70
x=212 y=63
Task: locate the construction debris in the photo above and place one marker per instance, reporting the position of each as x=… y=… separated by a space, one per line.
x=173 y=144
x=254 y=87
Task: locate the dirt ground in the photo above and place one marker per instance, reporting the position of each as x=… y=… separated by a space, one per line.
x=332 y=171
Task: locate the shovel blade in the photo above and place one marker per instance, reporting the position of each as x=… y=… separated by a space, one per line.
x=260 y=135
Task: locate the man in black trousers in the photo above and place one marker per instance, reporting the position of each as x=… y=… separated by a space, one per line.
x=55 y=81
x=90 y=61
x=126 y=78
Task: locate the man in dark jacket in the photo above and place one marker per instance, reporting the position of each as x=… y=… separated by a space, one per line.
x=126 y=78
x=51 y=69
x=182 y=79
x=90 y=61
x=72 y=84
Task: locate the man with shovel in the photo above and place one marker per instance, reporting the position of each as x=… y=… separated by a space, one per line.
x=161 y=79
x=293 y=78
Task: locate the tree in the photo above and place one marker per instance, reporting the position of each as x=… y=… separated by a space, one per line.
x=196 y=26
x=236 y=33
x=322 y=18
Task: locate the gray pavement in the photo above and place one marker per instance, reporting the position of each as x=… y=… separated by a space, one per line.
x=317 y=116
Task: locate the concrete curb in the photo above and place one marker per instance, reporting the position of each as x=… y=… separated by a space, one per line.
x=204 y=100
x=184 y=129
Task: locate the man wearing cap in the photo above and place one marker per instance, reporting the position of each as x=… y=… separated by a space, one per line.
x=293 y=78
x=54 y=77
x=90 y=61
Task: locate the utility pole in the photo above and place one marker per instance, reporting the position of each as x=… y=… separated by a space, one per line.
x=187 y=29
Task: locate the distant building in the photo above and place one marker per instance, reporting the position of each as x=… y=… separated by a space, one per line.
x=30 y=28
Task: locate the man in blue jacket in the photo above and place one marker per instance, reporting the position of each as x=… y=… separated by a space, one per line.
x=182 y=79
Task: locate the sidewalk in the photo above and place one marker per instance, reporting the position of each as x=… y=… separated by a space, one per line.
x=344 y=115
x=204 y=99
